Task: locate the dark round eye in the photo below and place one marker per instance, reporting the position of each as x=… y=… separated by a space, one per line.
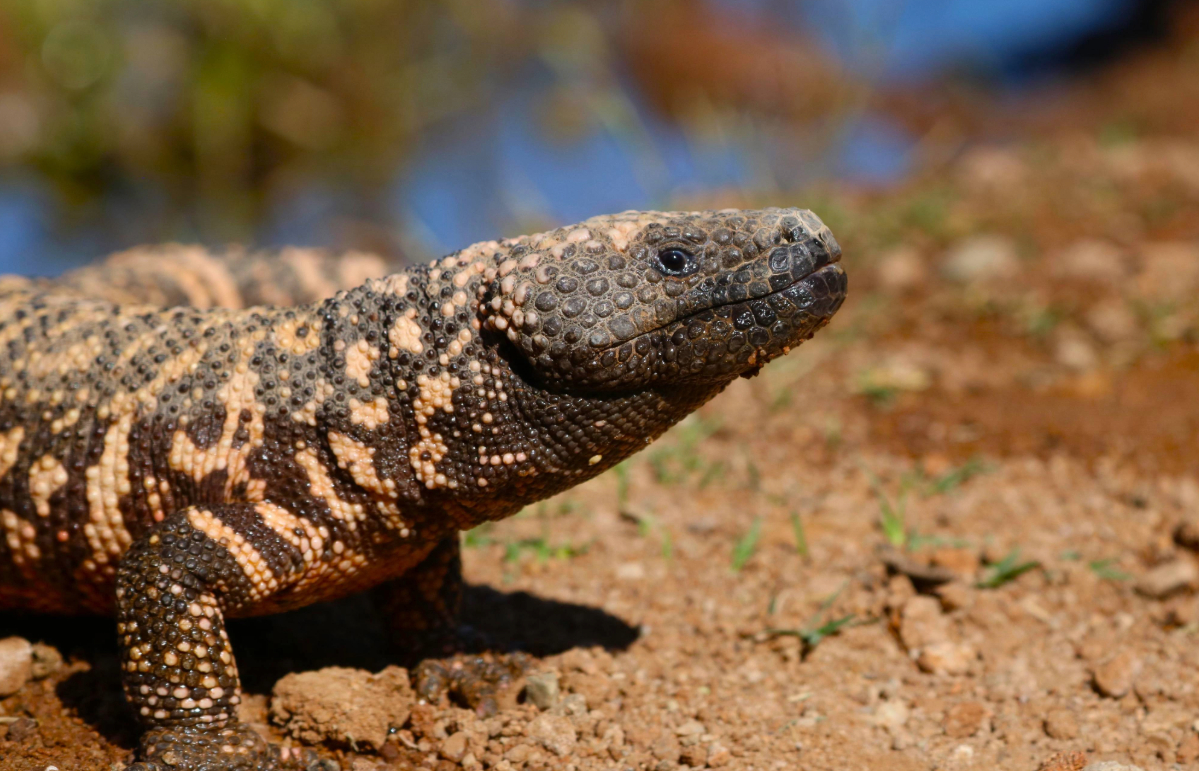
x=674 y=261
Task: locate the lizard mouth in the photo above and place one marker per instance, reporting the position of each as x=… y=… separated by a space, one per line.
x=817 y=293
x=733 y=338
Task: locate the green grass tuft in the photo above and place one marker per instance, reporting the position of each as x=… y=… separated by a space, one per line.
x=746 y=545
x=1107 y=570
x=1006 y=570
x=801 y=536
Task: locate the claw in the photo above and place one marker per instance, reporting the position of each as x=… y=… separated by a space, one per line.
x=235 y=748
x=479 y=681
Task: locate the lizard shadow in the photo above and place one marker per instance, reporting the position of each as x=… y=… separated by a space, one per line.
x=346 y=633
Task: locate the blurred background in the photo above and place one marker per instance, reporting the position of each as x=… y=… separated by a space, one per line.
x=415 y=127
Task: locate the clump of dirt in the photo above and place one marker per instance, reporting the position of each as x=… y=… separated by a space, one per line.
x=346 y=707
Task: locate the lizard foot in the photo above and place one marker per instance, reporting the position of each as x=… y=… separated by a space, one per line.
x=236 y=748
x=478 y=680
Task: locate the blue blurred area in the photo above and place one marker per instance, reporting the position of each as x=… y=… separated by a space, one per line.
x=906 y=40
x=496 y=170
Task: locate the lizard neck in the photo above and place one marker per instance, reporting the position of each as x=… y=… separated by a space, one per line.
x=528 y=442
x=455 y=420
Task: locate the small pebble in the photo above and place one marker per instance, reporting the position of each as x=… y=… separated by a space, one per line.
x=892 y=715
x=957 y=595
x=1061 y=724
x=453 y=748
x=555 y=733
x=22 y=729
x=1186 y=534
x=951 y=658
x=718 y=755
x=1114 y=678
x=1188 y=750
x=964 y=720
x=1168 y=578
x=902 y=269
x=922 y=623
x=542 y=689
x=16 y=664
x=982 y=258
x=46 y=660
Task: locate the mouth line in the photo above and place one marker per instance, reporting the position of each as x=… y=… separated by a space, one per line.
x=827 y=267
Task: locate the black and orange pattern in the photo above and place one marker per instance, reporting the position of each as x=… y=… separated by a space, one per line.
x=186 y=437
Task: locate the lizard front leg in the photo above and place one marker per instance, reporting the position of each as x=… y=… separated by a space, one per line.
x=174 y=587
x=422 y=610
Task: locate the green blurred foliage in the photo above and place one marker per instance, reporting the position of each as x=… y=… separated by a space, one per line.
x=217 y=103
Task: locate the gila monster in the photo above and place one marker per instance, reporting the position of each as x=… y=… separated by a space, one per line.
x=187 y=437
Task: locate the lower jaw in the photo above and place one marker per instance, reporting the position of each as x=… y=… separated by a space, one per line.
x=809 y=304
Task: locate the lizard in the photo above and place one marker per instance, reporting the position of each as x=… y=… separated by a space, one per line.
x=180 y=444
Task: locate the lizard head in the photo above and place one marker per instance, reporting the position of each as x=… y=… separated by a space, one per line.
x=642 y=298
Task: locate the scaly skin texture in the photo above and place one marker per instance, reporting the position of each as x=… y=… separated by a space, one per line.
x=177 y=463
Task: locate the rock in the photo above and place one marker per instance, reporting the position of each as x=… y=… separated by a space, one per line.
x=518 y=754
x=1112 y=320
x=917 y=572
x=1061 y=724
x=553 y=732
x=963 y=562
x=1170 y=271
x=695 y=756
x=718 y=755
x=46 y=660
x=1114 y=678
x=993 y=169
x=1065 y=761
x=1074 y=350
x=572 y=704
x=902 y=269
x=1111 y=765
x=956 y=595
x=1186 y=533
x=922 y=623
x=254 y=708
x=22 y=729
x=364 y=764
x=982 y=258
x=16 y=665
x=690 y=728
x=892 y=715
x=964 y=720
x=1168 y=578
x=542 y=689
x=1188 y=750
x=630 y=571
x=343 y=706
x=951 y=658
x=666 y=747
x=1093 y=260
x=454 y=747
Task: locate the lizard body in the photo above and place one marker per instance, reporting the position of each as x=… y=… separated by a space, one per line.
x=174 y=459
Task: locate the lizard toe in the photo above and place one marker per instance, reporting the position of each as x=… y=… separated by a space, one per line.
x=480 y=682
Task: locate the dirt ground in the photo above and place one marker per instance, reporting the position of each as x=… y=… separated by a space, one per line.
x=958 y=530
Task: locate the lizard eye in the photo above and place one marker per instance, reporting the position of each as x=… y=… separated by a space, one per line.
x=674 y=261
